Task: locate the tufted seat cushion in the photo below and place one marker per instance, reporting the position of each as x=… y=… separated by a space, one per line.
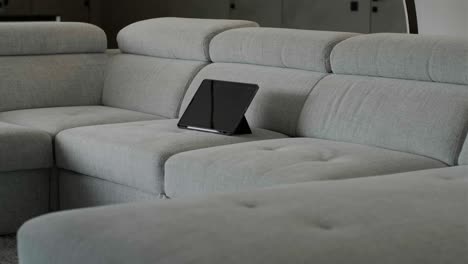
x=54 y=120
x=133 y=154
x=419 y=217
x=260 y=164
x=24 y=148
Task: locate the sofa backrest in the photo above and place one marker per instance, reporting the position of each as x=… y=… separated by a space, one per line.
x=159 y=59
x=463 y=160
x=401 y=92
x=50 y=64
x=285 y=63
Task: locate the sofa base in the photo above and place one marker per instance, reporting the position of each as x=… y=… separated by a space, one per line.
x=23 y=195
x=80 y=191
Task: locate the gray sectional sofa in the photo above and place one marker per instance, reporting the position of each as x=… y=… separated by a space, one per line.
x=337 y=117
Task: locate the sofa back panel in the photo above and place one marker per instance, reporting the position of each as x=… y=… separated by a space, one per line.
x=175 y=38
x=425 y=118
x=279 y=100
x=160 y=57
x=403 y=56
x=288 y=48
x=45 y=38
x=51 y=80
x=148 y=84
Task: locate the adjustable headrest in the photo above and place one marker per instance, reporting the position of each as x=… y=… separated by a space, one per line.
x=403 y=56
x=289 y=48
x=43 y=38
x=175 y=38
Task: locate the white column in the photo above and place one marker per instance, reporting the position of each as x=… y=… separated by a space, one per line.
x=443 y=17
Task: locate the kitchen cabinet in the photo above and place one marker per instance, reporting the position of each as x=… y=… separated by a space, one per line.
x=268 y=13
x=68 y=10
x=364 y=16
x=388 y=16
x=15 y=7
x=335 y=15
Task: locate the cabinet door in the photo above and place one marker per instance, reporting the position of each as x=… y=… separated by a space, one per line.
x=336 y=15
x=15 y=7
x=268 y=13
x=199 y=8
x=388 y=16
x=74 y=10
x=45 y=7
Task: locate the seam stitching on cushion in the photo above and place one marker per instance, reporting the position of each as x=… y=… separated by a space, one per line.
x=325 y=75
x=463 y=144
x=79 y=174
x=209 y=39
x=430 y=61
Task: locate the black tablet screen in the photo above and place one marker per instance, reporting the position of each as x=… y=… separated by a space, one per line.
x=218 y=105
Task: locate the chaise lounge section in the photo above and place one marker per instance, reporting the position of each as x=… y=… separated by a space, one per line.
x=418 y=217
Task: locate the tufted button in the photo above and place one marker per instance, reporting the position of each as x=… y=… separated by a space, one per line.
x=324 y=225
x=269 y=149
x=446 y=178
x=247 y=204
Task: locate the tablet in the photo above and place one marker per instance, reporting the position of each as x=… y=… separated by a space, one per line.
x=219 y=107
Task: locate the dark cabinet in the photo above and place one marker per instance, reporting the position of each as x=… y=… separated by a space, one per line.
x=335 y=15
x=68 y=10
x=268 y=13
x=388 y=16
x=14 y=7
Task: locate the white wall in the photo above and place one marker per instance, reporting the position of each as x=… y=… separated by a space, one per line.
x=466 y=16
x=443 y=17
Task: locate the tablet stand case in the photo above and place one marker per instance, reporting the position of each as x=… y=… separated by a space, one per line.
x=243 y=127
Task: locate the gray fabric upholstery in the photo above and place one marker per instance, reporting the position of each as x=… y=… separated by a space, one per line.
x=49 y=81
x=280 y=99
x=415 y=57
x=23 y=195
x=41 y=38
x=255 y=165
x=54 y=120
x=289 y=48
x=133 y=154
x=406 y=219
x=463 y=159
x=423 y=118
x=175 y=38
x=147 y=84
x=79 y=191
x=24 y=148
x=166 y=54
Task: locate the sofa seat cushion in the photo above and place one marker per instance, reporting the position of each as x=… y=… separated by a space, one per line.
x=133 y=154
x=261 y=164
x=418 y=217
x=53 y=120
x=24 y=148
